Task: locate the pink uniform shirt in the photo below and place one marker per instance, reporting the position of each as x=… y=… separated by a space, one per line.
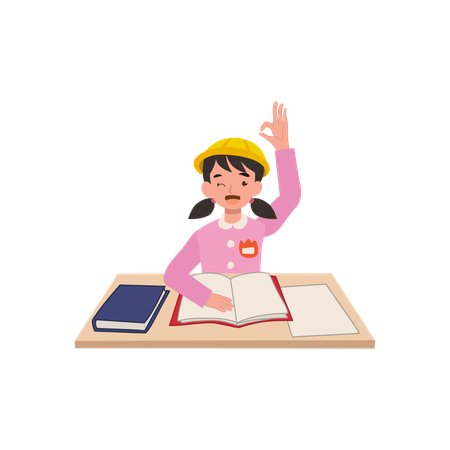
x=223 y=247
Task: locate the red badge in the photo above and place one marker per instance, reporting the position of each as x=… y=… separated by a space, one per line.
x=248 y=249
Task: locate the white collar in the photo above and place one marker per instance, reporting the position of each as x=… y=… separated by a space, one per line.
x=238 y=225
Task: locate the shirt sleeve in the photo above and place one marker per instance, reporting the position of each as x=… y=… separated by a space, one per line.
x=290 y=191
x=177 y=273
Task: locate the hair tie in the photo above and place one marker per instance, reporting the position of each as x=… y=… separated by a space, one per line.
x=252 y=200
x=213 y=201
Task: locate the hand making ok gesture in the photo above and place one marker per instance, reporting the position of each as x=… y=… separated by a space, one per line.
x=279 y=128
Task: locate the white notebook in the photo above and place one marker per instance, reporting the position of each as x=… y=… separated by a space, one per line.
x=316 y=312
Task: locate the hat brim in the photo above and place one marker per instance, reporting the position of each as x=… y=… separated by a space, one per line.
x=229 y=151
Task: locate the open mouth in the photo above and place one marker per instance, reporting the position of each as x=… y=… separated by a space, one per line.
x=232 y=199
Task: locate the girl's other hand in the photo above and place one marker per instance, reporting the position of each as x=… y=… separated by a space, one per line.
x=219 y=302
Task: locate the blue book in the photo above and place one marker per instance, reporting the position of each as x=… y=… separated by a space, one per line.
x=130 y=309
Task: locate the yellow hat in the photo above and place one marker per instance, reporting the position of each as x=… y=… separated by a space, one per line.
x=233 y=147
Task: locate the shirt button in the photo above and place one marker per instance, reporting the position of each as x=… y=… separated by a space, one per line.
x=230 y=244
x=230 y=265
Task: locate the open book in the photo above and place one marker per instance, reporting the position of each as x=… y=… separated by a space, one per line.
x=256 y=297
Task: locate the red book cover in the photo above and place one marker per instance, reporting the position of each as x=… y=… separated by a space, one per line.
x=174 y=320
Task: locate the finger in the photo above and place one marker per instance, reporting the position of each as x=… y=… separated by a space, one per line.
x=220 y=309
x=226 y=303
x=286 y=114
x=279 y=111
x=266 y=138
x=265 y=131
x=282 y=114
x=274 y=111
x=284 y=119
x=285 y=127
x=288 y=122
x=265 y=124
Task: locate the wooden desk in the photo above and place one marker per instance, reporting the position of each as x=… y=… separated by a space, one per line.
x=261 y=335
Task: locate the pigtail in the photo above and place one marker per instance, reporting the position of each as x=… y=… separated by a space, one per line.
x=262 y=209
x=202 y=209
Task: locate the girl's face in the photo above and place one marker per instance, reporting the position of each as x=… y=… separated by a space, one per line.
x=231 y=190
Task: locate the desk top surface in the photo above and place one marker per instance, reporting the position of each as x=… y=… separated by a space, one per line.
x=261 y=335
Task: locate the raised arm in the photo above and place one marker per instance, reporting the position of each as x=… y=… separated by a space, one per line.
x=277 y=132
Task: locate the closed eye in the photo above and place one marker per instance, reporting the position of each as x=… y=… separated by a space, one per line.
x=218 y=184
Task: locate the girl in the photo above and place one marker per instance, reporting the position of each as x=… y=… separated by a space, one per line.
x=232 y=173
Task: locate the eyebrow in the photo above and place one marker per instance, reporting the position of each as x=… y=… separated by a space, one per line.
x=242 y=173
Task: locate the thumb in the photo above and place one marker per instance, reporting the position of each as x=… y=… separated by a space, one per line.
x=263 y=134
x=269 y=138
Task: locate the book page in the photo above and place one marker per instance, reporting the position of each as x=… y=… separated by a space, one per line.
x=316 y=312
x=219 y=284
x=255 y=295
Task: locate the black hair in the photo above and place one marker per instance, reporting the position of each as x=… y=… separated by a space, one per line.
x=236 y=161
x=206 y=207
